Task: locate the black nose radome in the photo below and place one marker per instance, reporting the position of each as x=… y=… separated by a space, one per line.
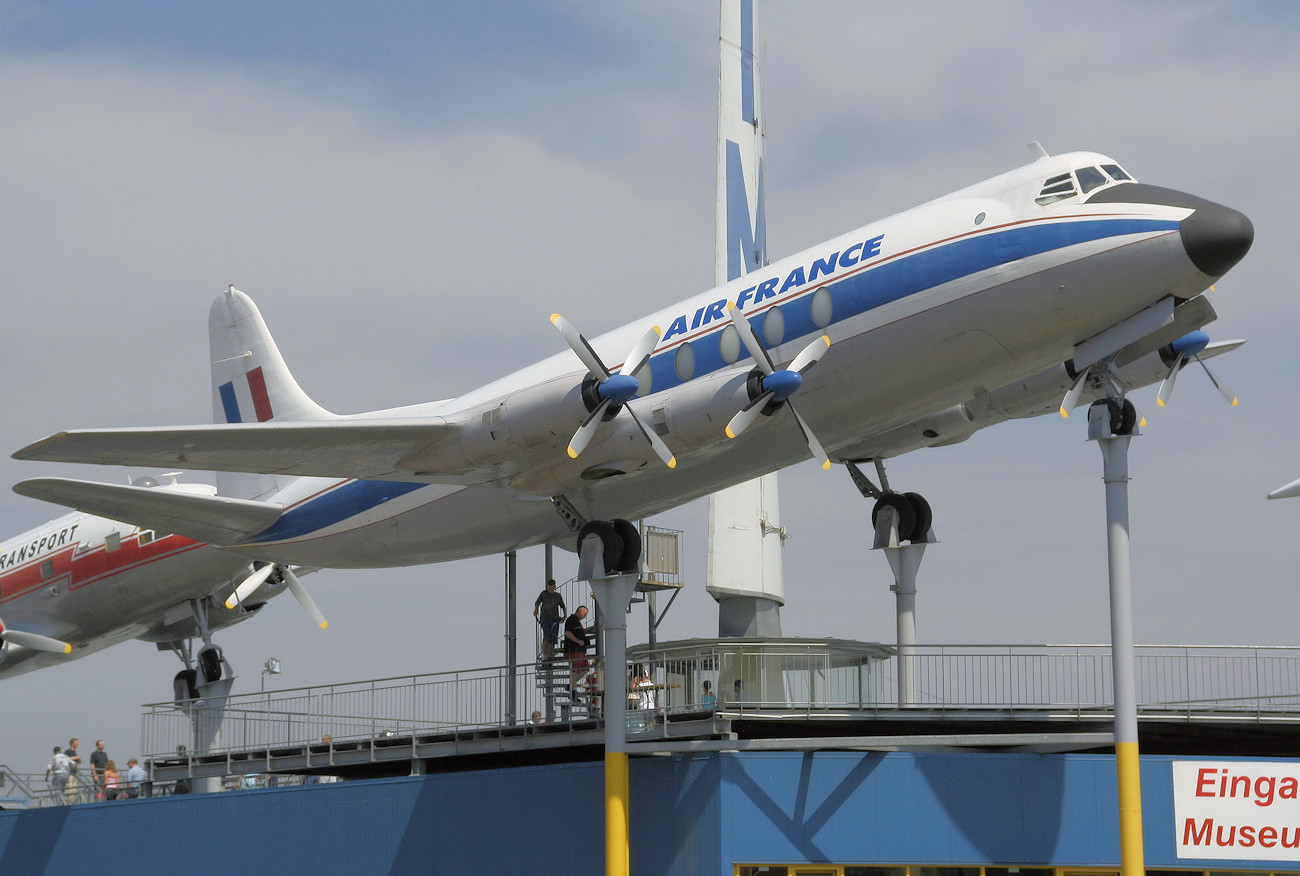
x=1215 y=237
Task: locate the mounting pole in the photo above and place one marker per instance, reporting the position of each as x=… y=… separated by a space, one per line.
x=613 y=594
x=512 y=636
x=905 y=562
x=1114 y=456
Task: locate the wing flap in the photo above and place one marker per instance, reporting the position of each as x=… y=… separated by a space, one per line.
x=217 y=520
x=361 y=449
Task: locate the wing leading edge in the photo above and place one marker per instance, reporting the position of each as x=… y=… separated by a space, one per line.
x=361 y=449
x=217 y=520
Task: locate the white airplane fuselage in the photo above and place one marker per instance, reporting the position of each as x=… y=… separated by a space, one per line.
x=924 y=310
x=93 y=582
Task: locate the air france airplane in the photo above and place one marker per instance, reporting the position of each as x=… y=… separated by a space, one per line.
x=1060 y=282
x=81 y=583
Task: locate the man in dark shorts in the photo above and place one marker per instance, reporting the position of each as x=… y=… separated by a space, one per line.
x=98 y=762
x=549 y=611
x=575 y=646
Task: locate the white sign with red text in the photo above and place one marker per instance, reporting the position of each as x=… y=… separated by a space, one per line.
x=1237 y=809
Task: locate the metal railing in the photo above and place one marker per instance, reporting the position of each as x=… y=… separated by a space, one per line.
x=34 y=791
x=776 y=677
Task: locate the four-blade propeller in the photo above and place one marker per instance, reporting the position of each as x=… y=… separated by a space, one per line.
x=285 y=574
x=776 y=386
x=1190 y=346
x=613 y=391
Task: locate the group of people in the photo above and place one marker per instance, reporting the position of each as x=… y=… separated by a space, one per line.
x=549 y=610
x=63 y=773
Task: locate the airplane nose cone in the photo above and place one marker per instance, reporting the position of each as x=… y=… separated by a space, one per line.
x=1216 y=237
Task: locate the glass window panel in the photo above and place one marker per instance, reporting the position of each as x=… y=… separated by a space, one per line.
x=822 y=307
x=774 y=327
x=1090 y=178
x=729 y=344
x=684 y=362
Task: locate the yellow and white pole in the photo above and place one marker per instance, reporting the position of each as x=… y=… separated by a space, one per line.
x=1114 y=454
x=613 y=594
x=618 y=851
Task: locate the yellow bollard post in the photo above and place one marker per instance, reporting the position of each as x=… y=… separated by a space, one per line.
x=618 y=855
x=1128 y=770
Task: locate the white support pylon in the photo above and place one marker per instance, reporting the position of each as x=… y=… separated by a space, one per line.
x=744 y=573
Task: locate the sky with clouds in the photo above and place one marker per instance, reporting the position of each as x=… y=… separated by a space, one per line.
x=408 y=190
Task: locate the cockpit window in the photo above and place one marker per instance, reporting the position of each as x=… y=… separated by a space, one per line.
x=1090 y=178
x=1056 y=188
x=1080 y=182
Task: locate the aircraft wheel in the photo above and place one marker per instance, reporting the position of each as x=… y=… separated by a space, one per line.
x=210 y=663
x=924 y=516
x=905 y=509
x=1128 y=418
x=631 y=537
x=611 y=541
x=185 y=685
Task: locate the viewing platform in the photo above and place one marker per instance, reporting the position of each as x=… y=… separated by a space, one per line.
x=786 y=694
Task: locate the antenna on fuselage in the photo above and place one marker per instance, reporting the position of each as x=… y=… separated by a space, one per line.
x=1037 y=151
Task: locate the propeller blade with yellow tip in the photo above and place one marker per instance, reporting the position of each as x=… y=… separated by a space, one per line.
x=582 y=437
x=249 y=584
x=36 y=642
x=1228 y=395
x=1072 y=397
x=304 y=598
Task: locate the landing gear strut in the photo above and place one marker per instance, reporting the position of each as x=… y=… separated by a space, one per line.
x=620 y=543
x=913 y=511
x=202 y=688
x=896 y=518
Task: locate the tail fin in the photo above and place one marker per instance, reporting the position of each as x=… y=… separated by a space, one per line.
x=251 y=383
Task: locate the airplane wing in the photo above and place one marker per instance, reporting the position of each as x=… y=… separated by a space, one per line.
x=214 y=519
x=365 y=449
x=1290 y=491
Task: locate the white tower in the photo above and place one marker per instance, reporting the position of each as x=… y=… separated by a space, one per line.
x=744 y=572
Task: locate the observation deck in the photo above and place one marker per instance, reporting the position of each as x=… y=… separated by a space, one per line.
x=779 y=694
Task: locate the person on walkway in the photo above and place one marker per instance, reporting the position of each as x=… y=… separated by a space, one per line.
x=112 y=781
x=643 y=688
x=57 y=772
x=549 y=610
x=98 y=760
x=134 y=776
x=75 y=759
x=575 y=647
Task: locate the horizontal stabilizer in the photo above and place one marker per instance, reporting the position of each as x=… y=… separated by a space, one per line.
x=364 y=449
x=214 y=519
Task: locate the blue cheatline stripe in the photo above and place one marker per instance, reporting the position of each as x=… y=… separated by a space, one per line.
x=346 y=501
x=894 y=280
x=228 y=402
x=851 y=296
